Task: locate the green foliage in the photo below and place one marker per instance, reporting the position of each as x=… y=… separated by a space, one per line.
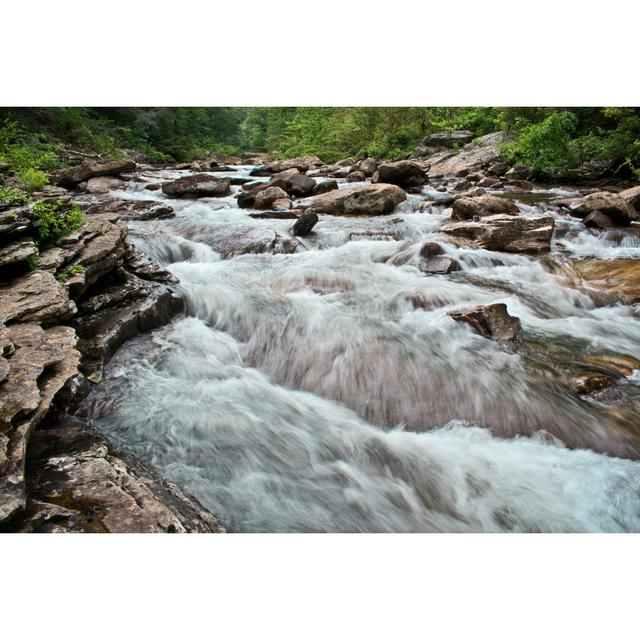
x=11 y=197
x=56 y=220
x=69 y=272
x=33 y=179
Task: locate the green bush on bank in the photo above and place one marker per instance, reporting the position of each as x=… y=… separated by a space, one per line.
x=56 y=221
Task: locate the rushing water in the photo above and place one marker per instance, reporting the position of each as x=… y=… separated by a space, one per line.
x=328 y=389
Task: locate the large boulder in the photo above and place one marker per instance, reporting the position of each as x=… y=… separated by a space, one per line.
x=302 y=164
x=325 y=187
x=356 y=176
x=265 y=198
x=479 y=154
x=466 y=208
x=83 y=172
x=632 y=197
x=199 y=185
x=610 y=204
x=374 y=199
x=508 y=233
x=404 y=173
x=491 y=321
x=368 y=166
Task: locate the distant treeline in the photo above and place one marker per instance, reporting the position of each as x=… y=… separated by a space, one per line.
x=553 y=141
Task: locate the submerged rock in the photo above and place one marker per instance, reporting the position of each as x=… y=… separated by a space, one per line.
x=370 y=200
x=304 y=224
x=491 y=321
x=200 y=185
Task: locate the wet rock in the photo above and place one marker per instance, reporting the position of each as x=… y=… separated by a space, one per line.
x=199 y=185
x=265 y=198
x=431 y=249
x=497 y=169
x=302 y=164
x=142 y=266
x=466 y=208
x=154 y=187
x=304 y=224
x=511 y=234
x=282 y=204
x=79 y=482
x=438 y=265
x=590 y=382
x=617 y=278
x=43 y=361
x=599 y=220
x=480 y=153
x=325 y=187
x=367 y=200
x=38 y=297
x=132 y=209
x=83 y=172
x=448 y=200
x=285 y=214
x=488 y=181
x=404 y=173
x=610 y=204
x=356 y=176
x=491 y=321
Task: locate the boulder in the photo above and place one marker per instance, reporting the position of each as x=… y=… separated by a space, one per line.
x=368 y=166
x=356 y=176
x=133 y=209
x=404 y=173
x=612 y=205
x=265 y=198
x=632 y=197
x=491 y=321
x=448 y=139
x=304 y=224
x=518 y=172
x=83 y=172
x=433 y=261
x=325 y=187
x=497 y=169
x=16 y=258
x=599 y=220
x=466 y=208
x=618 y=279
x=508 y=233
x=104 y=184
x=367 y=200
x=199 y=185
x=294 y=182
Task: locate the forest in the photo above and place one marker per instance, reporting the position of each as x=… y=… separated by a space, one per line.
x=554 y=142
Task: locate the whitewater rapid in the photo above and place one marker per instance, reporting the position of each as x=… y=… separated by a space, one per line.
x=329 y=390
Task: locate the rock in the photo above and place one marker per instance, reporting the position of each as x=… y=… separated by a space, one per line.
x=590 y=382
x=81 y=173
x=438 y=264
x=15 y=223
x=265 y=198
x=356 y=176
x=325 y=187
x=281 y=204
x=599 y=220
x=367 y=200
x=518 y=172
x=302 y=164
x=142 y=266
x=104 y=184
x=132 y=209
x=497 y=169
x=38 y=297
x=448 y=200
x=632 y=197
x=294 y=183
x=511 y=234
x=404 y=173
x=431 y=249
x=79 y=482
x=304 y=224
x=448 y=139
x=480 y=153
x=368 y=166
x=153 y=187
x=42 y=363
x=199 y=185
x=16 y=258
x=610 y=204
x=287 y=214
x=488 y=181
x=466 y=208
x=491 y=321
x=619 y=279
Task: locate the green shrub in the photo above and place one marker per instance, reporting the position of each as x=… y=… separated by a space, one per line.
x=10 y=197
x=33 y=179
x=55 y=221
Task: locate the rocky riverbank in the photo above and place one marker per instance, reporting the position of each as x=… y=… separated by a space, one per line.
x=66 y=309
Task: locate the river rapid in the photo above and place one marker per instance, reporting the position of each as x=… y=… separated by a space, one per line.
x=329 y=390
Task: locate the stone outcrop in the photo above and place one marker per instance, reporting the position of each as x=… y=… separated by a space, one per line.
x=612 y=205
x=199 y=185
x=375 y=199
x=477 y=155
x=511 y=234
x=87 y=170
x=491 y=321
x=302 y=164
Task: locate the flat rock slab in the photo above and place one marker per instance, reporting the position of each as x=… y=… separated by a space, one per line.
x=197 y=186
x=74 y=176
x=472 y=157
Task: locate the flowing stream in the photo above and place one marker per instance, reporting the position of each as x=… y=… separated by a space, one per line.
x=329 y=390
